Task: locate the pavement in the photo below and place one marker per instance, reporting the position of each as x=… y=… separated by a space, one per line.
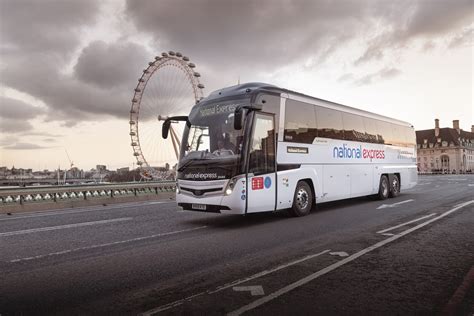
x=410 y=255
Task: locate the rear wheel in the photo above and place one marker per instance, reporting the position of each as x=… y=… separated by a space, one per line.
x=302 y=200
x=383 y=188
x=394 y=186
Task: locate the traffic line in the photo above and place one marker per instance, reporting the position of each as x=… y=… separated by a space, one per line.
x=340 y=263
x=232 y=284
x=394 y=204
x=80 y=210
x=255 y=290
x=106 y=244
x=44 y=229
x=403 y=224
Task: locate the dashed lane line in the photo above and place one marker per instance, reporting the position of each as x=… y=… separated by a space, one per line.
x=105 y=244
x=44 y=229
x=340 y=263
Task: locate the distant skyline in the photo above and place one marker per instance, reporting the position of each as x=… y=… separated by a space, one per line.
x=67 y=75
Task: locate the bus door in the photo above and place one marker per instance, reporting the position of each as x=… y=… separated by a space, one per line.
x=261 y=176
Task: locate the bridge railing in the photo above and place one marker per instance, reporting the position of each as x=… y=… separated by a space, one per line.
x=83 y=193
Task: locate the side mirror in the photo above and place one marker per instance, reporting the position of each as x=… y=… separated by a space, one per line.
x=165 y=128
x=238 y=116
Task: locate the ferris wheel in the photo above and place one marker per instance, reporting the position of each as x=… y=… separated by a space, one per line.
x=168 y=86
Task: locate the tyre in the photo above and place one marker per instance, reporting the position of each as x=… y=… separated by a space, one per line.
x=302 y=200
x=383 y=188
x=394 y=186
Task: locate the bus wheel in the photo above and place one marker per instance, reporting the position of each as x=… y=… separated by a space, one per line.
x=394 y=187
x=302 y=201
x=383 y=188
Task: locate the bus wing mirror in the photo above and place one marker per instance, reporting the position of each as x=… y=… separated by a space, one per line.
x=239 y=113
x=165 y=128
x=167 y=123
x=238 y=116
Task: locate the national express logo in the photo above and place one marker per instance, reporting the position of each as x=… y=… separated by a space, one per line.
x=357 y=152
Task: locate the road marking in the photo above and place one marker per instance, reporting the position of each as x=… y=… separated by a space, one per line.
x=403 y=224
x=388 y=234
x=340 y=254
x=106 y=244
x=471 y=184
x=394 y=204
x=44 y=229
x=255 y=290
x=340 y=263
x=75 y=211
x=232 y=284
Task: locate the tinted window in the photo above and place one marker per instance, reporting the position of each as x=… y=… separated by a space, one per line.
x=371 y=130
x=384 y=131
x=300 y=122
x=353 y=127
x=329 y=123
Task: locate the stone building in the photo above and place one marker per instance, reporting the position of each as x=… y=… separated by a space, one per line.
x=445 y=150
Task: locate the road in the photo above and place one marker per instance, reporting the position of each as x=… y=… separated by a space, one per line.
x=410 y=255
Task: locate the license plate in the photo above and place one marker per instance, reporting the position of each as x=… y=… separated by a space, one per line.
x=201 y=207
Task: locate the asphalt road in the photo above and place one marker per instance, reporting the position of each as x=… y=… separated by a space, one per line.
x=409 y=255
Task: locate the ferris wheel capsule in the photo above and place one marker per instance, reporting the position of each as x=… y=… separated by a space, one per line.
x=171 y=53
x=185 y=58
x=178 y=54
x=164 y=54
x=191 y=65
x=157 y=58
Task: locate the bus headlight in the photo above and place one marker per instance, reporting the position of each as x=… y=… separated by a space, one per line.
x=230 y=186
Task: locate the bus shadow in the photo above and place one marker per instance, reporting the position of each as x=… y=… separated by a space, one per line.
x=241 y=221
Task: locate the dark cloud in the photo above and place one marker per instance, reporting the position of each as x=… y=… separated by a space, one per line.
x=17 y=109
x=44 y=26
x=111 y=65
x=245 y=34
x=14 y=126
x=14 y=115
x=228 y=39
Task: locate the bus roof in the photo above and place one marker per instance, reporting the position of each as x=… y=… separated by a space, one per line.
x=252 y=88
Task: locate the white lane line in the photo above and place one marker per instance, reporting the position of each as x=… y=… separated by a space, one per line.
x=338 y=264
x=232 y=284
x=81 y=210
x=106 y=244
x=255 y=290
x=339 y=253
x=403 y=224
x=394 y=204
x=44 y=229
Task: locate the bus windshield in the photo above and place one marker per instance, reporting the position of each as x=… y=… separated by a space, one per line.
x=210 y=133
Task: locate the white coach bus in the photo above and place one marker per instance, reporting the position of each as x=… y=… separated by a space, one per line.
x=255 y=147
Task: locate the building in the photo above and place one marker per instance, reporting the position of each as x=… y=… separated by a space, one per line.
x=445 y=150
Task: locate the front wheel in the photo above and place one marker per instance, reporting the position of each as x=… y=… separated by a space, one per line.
x=383 y=188
x=302 y=200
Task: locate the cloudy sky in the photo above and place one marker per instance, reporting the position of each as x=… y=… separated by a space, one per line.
x=68 y=68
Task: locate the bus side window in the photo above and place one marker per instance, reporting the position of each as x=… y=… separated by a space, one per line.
x=353 y=127
x=329 y=123
x=300 y=122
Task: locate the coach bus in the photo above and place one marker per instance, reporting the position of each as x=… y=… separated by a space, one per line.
x=255 y=147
